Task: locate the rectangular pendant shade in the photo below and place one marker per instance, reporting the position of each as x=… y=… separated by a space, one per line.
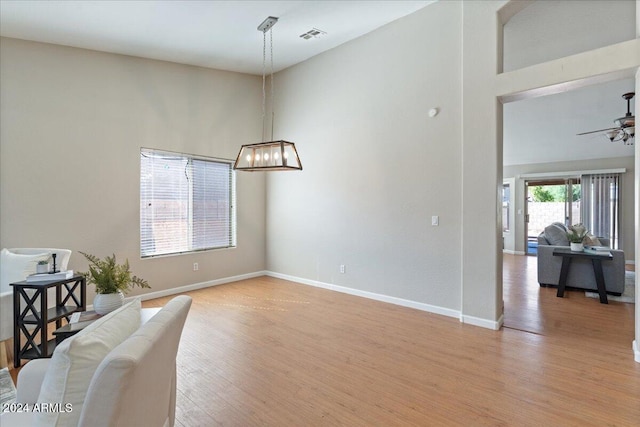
x=268 y=156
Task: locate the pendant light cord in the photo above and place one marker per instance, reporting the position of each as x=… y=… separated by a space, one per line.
x=273 y=114
x=264 y=93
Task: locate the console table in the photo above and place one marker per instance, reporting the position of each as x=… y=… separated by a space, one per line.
x=71 y=329
x=38 y=316
x=596 y=260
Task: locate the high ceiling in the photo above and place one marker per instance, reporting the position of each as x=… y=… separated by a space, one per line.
x=214 y=34
x=224 y=35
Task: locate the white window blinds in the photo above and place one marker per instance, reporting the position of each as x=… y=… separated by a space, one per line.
x=187 y=203
x=600 y=206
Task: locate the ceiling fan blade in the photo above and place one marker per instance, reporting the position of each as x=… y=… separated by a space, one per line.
x=596 y=131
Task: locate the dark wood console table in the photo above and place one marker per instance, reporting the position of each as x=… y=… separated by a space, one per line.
x=596 y=260
x=38 y=316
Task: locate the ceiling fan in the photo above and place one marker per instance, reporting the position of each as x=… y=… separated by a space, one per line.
x=626 y=126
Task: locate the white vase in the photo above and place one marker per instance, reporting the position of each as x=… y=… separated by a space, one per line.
x=106 y=303
x=577 y=247
x=42 y=268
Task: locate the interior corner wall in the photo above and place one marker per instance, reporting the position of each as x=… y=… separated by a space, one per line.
x=376 y=166
x=73 y=123
x=636 y=342
x=482 y=163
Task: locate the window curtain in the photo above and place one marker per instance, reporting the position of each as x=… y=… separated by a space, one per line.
x=600 y=206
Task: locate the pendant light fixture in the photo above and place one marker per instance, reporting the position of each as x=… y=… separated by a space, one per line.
x=272 y=155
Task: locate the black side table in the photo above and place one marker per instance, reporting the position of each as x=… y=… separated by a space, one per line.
x=70 y=330
x=596 y=260
x=39 y=315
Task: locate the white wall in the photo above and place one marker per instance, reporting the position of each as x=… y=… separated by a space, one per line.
x=376 y=167
x=73 y=122
x=547 y=30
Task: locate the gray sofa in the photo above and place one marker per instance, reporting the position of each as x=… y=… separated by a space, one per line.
x=581 y=274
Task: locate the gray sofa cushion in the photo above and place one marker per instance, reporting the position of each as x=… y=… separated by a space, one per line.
x=556 y=234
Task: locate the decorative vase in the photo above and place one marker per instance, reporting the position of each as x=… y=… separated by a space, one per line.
x=42 y=268
x=577 y=247
x=106 y=303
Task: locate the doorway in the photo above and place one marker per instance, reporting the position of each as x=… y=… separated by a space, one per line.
x=549 y=201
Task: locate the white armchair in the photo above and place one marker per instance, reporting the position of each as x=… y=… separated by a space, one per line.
x=134 y=384
x=15 y=265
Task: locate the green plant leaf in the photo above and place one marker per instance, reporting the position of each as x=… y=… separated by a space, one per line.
x=109 y=277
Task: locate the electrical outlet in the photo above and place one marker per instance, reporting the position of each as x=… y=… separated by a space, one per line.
x=435 y=220
x=343 y=268
x=195 y=266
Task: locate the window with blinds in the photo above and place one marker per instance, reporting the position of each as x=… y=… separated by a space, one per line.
x=187 y=203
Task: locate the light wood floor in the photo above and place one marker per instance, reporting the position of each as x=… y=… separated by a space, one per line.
x=275 y=353
x=268 y=352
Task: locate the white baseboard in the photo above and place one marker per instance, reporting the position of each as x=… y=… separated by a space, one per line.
x=196 y=286
x=483 y=323
x=476 y=321
x=510 y=252
x=636 y=351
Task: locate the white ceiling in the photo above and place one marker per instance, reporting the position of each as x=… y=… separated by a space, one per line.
x=214 y=34
x=542 y=130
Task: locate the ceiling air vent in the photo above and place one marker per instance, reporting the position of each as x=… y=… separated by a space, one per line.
x=313 y=33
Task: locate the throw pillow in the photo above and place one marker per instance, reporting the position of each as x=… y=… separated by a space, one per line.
x=76 y=359
x=556 y=235
x=591 y=240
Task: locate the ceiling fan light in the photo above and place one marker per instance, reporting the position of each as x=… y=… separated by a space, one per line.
x=612 y=134
x=625 y=121
x=631 y=131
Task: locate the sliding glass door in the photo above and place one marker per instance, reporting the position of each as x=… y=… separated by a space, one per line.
x=548 y=201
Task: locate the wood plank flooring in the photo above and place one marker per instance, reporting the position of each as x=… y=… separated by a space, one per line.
x=268 y=352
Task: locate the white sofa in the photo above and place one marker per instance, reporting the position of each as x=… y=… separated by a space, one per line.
x=133 y=385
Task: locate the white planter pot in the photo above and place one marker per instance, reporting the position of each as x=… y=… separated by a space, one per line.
x=106 y=303
x=42 y=268
x=577 y=247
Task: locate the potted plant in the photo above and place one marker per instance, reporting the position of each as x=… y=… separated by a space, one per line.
x=576 y=234
x=42 y=267
x=111 y=280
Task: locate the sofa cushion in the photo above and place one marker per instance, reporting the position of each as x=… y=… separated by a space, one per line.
x=556 y=234
x=591 y=240
x=16 y=267
x=76 y=359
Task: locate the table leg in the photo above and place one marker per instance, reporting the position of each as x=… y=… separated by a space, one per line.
x=16 y=328
x=564 y=272
x=44 y=343
x=602 y=290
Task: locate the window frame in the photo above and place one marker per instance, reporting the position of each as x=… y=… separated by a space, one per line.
x=231 y=236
